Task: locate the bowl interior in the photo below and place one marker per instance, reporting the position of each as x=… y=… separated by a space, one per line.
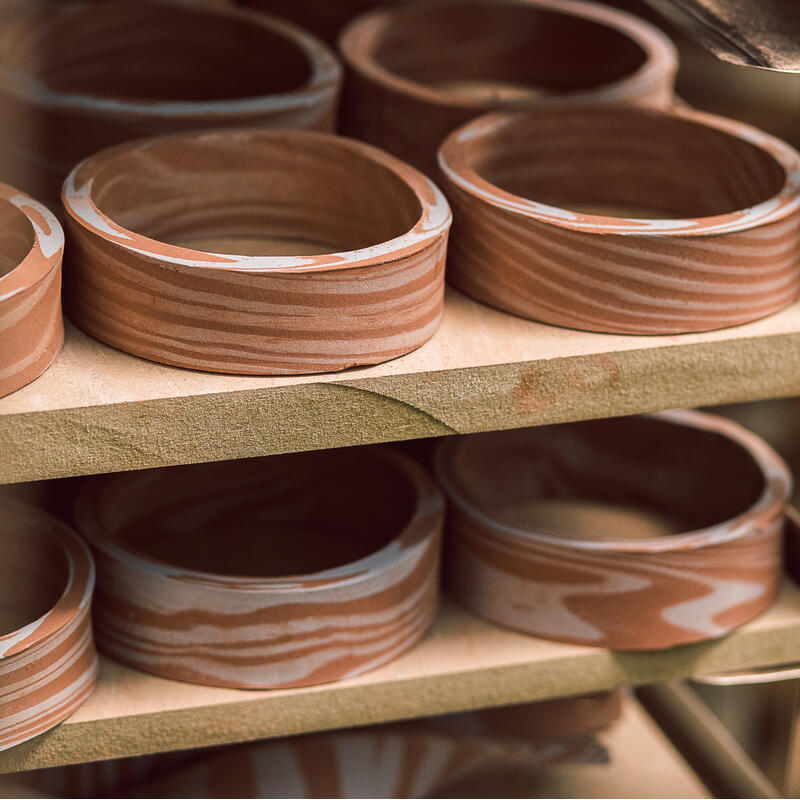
x=627 y=478
x=256 y=193
x=136 y=50
x=16 y=237
x=269 y=517
x=626 y=162
x=33 y=571
x=500 y=51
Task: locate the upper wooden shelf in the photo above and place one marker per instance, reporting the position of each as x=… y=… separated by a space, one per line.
x=463 y=663
x=99 y=410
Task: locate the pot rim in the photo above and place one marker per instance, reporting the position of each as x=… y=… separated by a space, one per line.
x=429 y=502
x=77 y=592
x=661 y=56
x=324 y=78
x=454 y=164
x=45 y=252
x=770 y=504
x=434 y=218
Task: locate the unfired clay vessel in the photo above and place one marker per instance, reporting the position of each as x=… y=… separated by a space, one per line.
x=360 y=238
x=48 y=664
x=31 y=328
x=538 y=539
x=416 y=71
x=623 y=219
x=80 y=76
x=341 y=549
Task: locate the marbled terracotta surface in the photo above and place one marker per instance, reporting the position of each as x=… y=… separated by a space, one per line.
x=373 y=290
x=78 y=77
x=716 y=565
x=48 y=664
x=622 y=219
x=31 y=328
x=416 y=71
x=341 y=549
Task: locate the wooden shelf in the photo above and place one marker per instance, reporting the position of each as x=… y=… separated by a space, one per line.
x=464 y=663
x=99 y=410
x=643 y=763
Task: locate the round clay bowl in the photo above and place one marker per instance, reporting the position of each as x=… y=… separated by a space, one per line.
x=322 y=17
x=639 y=532
x=358 y=242
x=31 y=328
x=48 y=664
x=283 y=571
x=622 y=219
x=416 y=71
x=79 y=77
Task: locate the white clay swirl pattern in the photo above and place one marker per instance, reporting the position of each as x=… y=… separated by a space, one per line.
x=722 y=256
x=259 y=632
x=637 y=594
x=31 y=328
x=371 y=301
x=68 y=89
x=49 y=666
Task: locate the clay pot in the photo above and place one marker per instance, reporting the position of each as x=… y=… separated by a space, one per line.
x=322 y=17
x=341 y=549
x=417 y=71
x=48 y=664
x=78 y=77
x=346 y=244
x=31 y=328
x=639 y=532
x=622 y=219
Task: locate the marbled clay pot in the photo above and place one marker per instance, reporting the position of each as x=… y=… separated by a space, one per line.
x=340 y=550
x=78 y=77
x=416 y=71
x=538 y=539
x=31 y=328
x=361 y=238
x=623 y=219
x=48 y=664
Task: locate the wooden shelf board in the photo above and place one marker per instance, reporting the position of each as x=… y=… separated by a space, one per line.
x=99 y=410
x=464 y=663
x=643 y=763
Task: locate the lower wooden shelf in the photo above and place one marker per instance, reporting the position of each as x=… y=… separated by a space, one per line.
x=463 y=663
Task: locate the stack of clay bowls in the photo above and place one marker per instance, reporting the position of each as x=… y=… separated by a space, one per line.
x=48 y=664
x=623 y=219
x=160 y=232
x=31 y=329
x=286 y=571
x=540 y=536
x=78 y=77
x=416 y=71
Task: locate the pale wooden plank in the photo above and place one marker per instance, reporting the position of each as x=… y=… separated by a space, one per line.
x=463 y=663
x=643 y=763
x=100 y=410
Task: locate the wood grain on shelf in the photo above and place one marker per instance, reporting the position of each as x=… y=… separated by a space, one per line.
x=463 y=663
x=100 y=410
x=644 y=763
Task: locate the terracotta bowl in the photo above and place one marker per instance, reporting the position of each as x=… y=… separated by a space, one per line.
x=417 y=71
x=622 y=219
x=639 y=532
x=323 y=18
x=48 y=664
x=335 y=252
x=341 y=550
x=31 y=328
x=78 y=77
